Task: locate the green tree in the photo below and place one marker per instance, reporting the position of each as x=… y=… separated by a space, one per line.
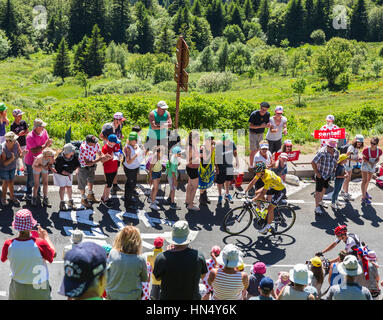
x=333 y=60
x=375 y=24
x=294 y=22
x=62 y=63
x=233 y=33
x=201 y=34
x=359 y=21
x=82 y=80
x=309 y=19
x=9 y=21
x=321 y=18
x=5 y=45
x=299 y=87
x=95 y=53
x=206 y=60
x=57 y=29
x=248 y=10
x=121 y=19
x=377 y=67
x=145 y=32
x=264 y=14
x=215 y=16
x=197 y=9
x=236 y=17
x=318 y=37
x=239 y=57
x=223 y=56
x=79 y=58
x=255 y=5
x=143 y=65
x=165 y=41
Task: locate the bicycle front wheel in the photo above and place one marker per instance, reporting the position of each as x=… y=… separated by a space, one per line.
x=237 y=220
x=284 y=219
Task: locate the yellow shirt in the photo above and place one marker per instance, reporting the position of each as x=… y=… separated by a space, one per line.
x=151 y=258
x=271 y=181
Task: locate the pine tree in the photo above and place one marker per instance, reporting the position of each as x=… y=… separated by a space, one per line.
x=223 y=56
x=79 y=58
x=264 y=14
x=9 y=23
x=197 y=9
x=201 y=34
x=95 y=53
x=83 y=15
x=255 y=5
x=145 y=33
x=121 y=20
x=359 y=21
x=309 y=19
x=321 y=17
x=215 y=16
x=248 y=10
x=206 y=59
x=62 y=62
x=57 y=28
x=236 y=17
x=294 y=22
x=176 y=5
x=165 y=41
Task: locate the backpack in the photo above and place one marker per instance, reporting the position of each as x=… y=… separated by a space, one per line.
x=343 y=149
x=77 y=145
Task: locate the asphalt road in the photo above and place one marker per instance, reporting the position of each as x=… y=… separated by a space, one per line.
x=308 y=235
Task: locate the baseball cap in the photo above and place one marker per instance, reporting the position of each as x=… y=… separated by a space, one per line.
x=133 y=136
x=162 y=104
x=176 y=150
x=113 y=138
x=264 y=146
x=288 y=143
x=38 y=123
x=342 y=157
x=359 y=138
x=266 y=284
x=2 y=106
x=316 y=262
x=330 y=117
x=158 y=242
x=82 y=265
x=119 y=116
x=225 y=136
x=278 y=109
x=91 y=139
x=17 y=112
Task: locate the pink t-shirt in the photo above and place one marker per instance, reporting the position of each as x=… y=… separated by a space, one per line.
x=33 y=141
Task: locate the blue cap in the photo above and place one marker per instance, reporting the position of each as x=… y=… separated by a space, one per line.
x=176 y=150
x=82 y=265
x=266 y=284
x=113 y=138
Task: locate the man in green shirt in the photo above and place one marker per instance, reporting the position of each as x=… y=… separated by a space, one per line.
x=160 y=122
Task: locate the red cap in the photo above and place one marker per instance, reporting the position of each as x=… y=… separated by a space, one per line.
x=342 y=229
x=158 y=242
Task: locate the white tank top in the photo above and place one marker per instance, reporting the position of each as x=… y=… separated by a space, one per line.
x=135 y=164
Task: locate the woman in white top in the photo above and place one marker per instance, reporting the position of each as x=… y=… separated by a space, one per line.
x=353 y=160
x=228 y=283
x=278 y=126
x=264 y=155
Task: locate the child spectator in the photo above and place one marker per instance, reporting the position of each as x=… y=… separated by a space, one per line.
x=3 y=121
x=75 y=238
x=145 y=285
x=20 y=128
x=256 y=275
x=112 y=148
x=65 y=164
x=379 y=176
x=41 y=165
x=211 y=264
x=10 y=153
x=151 y=257
x=283 y=280
x=155 y=170
x=265 y=289
x=172 y=172
x=280 y=167
x=340 y=175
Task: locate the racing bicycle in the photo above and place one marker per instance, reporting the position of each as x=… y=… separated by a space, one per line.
x=239 y=219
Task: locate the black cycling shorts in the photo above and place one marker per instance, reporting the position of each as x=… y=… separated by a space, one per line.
x=277 y=195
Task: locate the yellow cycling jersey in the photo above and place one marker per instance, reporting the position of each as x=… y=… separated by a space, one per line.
x=271 y=181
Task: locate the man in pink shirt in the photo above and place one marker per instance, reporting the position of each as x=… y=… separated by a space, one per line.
x=37 y=141
x=27 y=255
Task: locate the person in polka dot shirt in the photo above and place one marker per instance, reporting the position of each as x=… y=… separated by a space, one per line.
x=211 y=264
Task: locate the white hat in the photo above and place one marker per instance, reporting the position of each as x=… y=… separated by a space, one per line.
x=118 y=116
x=230 y=256
x=330 y=117
x=76 y=236
x=278 y=109
x=162 y=105
x=300 y=274
x=180 y=234
x=350 y=266
x=264 y=146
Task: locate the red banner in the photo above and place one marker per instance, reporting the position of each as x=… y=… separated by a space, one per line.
x=327 y=134
x=293 y=155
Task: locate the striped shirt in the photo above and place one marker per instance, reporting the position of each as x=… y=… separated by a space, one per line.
x=227 y=286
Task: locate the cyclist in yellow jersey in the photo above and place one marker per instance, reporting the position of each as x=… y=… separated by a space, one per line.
x=273 y=188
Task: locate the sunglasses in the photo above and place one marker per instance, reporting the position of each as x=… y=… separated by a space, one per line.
x=374 y=144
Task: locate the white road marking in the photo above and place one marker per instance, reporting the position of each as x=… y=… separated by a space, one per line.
x=81 y=216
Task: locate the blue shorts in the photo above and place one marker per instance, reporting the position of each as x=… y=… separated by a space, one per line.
x=156 y=175
x=7 y=175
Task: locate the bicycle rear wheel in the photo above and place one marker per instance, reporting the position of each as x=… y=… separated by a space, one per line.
x=237 y=220
x=284 y=219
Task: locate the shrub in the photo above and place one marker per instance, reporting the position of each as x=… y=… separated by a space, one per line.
x=344 y=81
x=216 y=81
x=318 y=37
x=112 y=70
x=168 y=86
x=163 y=72
x=122 y=86
x=42 y=76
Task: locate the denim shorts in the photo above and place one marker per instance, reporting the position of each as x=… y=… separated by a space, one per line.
x=156 y=175
x=7 y=175
x=368 y=168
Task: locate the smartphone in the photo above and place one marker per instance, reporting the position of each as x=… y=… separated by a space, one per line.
x=34 y=233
